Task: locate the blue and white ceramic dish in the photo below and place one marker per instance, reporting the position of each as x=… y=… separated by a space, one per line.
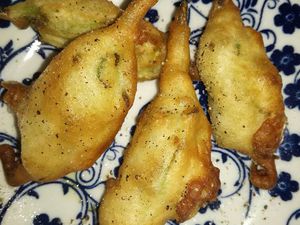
x=74 y=199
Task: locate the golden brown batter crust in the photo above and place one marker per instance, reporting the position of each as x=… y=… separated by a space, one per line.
x=198 y=193
x=244 y=88
x=72 y=112
x=59 y=22
x=15 y=173
x=167 y=171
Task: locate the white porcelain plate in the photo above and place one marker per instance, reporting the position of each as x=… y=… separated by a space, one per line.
x=74 y=199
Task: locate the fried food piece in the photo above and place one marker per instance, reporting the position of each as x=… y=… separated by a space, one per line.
x=14 y=170
x=167 y=171
x=72 y=112
x=150 y=50
x=59 y=22
x=244 y=88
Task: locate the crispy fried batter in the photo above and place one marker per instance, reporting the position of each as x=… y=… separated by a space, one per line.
x=247 y=111
x=150 y=50
x=59 y=22
x=167 y=171
x=15 y=173
x=16 y=94
x=72 y=112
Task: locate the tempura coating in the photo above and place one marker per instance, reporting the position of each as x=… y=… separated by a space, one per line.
x=167 y=171
x=59 y=22
x=150 y=50
x=244 y=90
x=72 y=112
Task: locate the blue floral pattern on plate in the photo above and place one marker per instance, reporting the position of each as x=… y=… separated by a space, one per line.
x=292 y=90
x=152 y=16
x=288 y=17
x=43 y=219
x=286 y=60
x=290 y=146
x=237 y=198
x=285 y=187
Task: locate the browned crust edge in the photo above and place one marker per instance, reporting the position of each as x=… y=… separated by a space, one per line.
x=14 y=171
x=265 y=141
x=198 y=193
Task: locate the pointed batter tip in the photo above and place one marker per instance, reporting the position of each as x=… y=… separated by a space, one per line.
x=178 y=41
x=15 y=173
x=226 y=10
x=181 y=13
x=135 y=11
x=218 y=4
x=17 y=19
x=14 y=94
x=264 y=176
x=222 y=3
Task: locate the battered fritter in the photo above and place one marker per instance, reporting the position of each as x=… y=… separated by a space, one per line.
x=72 y=112
x=59 y=22
x=167 y=171
x=244 y=88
